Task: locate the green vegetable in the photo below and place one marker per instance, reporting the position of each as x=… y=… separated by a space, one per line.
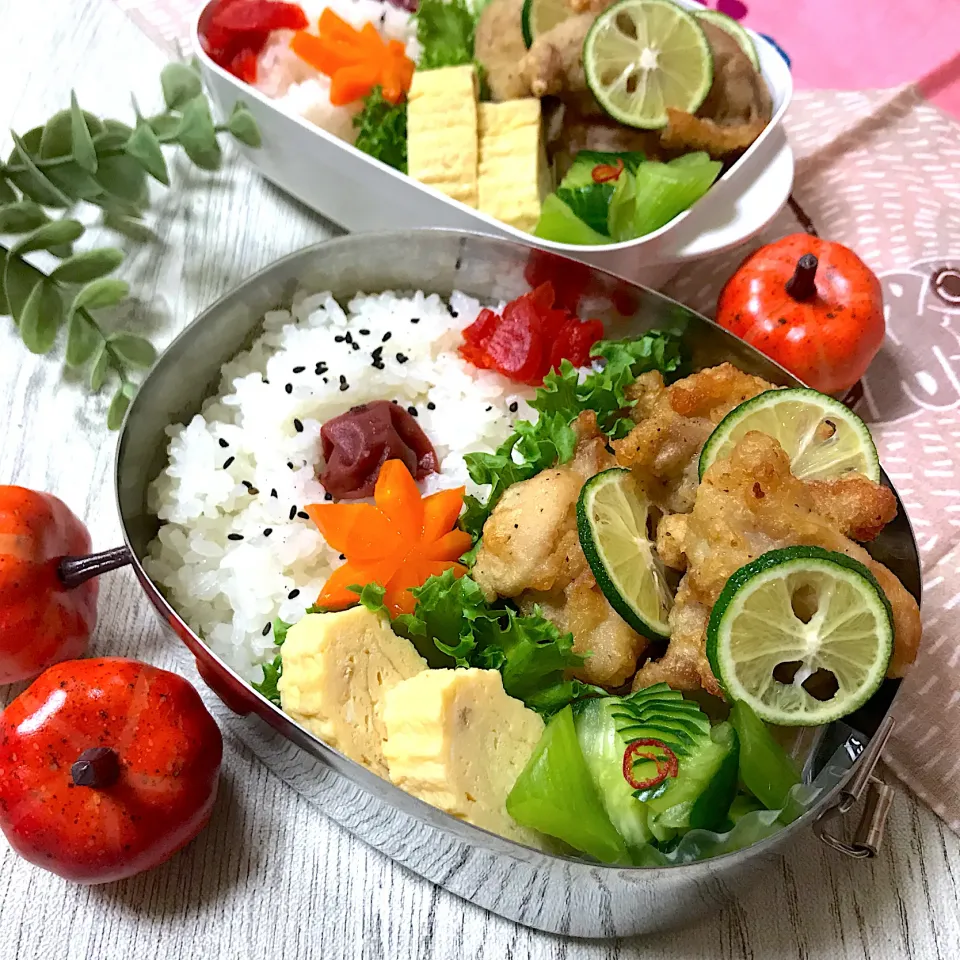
x=558 y=222
x=766 y=769
x=77 y=157
x=383 y=130
x=445 y=31
x=453 y=625
x=590 y=201
x=551 y=439
x=555 y=795
x=665 y=190
x=701 y=794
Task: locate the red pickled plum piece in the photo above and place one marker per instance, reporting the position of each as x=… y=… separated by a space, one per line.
x=357 y=444
x=234 y=32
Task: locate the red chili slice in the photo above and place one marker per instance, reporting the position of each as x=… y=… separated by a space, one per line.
x=604 y=172
x=646 y=748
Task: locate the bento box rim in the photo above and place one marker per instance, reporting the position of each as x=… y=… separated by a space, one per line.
x=784 y=88
x=364 y=778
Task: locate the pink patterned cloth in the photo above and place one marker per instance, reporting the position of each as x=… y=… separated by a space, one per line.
x=878 y=168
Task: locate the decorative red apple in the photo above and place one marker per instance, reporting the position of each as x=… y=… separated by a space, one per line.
x=107 y=768
x=41 y=619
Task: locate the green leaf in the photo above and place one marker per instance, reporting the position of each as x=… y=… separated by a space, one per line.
x=164 y=125
x=105 y=292
x=243 y=127
x=382 y=130
x=61 y=250
x=74 y=181
x=19 y=278
x=123 y=177
x=180 y=85
x=84 y=152
x=132 y=349
x=4 y=305
x=100 y=368
x=22 y=216
x=371 y=595
x=87 y=266
x=117 y=409
x=49 y=235
x=31 y=180
x=41 y=317
x=56 y=140
x=445 y=31
x=7 y=194
x=197 y=135
x=82 y=340
x=144 y=147
x=271 y=674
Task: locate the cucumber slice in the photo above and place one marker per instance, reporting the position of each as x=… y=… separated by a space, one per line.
x=788 y=622
x=603 y=747
x=729 y=25
x=766 y=769
x=642 y=56
x=612 y=521
x=822 y=438
x=558 y=222
x=664 y=190
x=539 y=16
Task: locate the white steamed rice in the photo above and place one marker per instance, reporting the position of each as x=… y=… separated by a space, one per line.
x=225 y=575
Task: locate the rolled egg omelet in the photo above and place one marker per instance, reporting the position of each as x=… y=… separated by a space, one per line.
x=337 y=669
x=456 y=740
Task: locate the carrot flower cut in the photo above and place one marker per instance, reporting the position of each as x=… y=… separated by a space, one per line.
x=398 y=541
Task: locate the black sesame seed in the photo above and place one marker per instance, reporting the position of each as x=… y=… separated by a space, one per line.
x=223 y=443
x=454 y=314
x=266 y=629
x=228 y=461
x=297 y=425
x=234 y=536
x=247 y=483
x=343 y=383
x=328 y=496
x=431 y=405
x=412 y=411
x=487 y=409
x=289 y=388
x=325 y=380
x=348 y=337
x=303 y=515
x=376 y=353
x=293 y=511
x=364 y=332
x=290 y=464
x=267 y=531
x=343 y=556
x=387 y=336
x=356 y=346
x=253 y=491
x=338 y=339
x=293 y=594
x=395 y=401
x=414 y=319
x=320 y=368
x=266 y=381
x=273 y=492
x=378 y=365
x=299 y=369
x=514 y=407
x=402 y=358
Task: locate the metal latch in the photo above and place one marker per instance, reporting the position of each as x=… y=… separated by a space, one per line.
x=879 y=798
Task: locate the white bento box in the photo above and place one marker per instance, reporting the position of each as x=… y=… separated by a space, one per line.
x=360 y=193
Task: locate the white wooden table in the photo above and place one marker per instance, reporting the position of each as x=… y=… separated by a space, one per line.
x=271 y=877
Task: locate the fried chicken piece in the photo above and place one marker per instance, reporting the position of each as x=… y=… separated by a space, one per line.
x=673 y=423
x=749 y=504
x=735 y=111
x=499 y=48
x=531 y=553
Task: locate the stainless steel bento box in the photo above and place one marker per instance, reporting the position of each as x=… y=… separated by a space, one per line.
x=553 y=893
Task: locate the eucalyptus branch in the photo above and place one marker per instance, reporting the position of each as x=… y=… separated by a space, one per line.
x=77 y=157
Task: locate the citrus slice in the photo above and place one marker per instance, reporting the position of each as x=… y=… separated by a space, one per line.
x=822 y=437
x=802 y=635
x=729 y=25
x=613 y=519
x=642 y=56
x=539 y=16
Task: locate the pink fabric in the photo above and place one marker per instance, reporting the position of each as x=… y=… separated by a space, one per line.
x=864 y=44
